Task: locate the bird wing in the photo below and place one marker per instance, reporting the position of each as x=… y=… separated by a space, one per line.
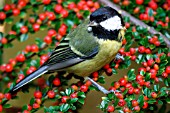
x=78 y=46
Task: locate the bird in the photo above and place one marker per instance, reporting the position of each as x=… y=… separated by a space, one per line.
x=86 y=49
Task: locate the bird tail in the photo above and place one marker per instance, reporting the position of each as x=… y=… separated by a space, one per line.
x=30 y=77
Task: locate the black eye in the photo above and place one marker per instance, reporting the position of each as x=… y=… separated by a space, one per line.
x=104 y=17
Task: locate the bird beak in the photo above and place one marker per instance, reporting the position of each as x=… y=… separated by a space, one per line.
x=92 y=24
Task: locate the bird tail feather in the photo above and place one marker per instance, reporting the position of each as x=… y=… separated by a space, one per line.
x=30 y=77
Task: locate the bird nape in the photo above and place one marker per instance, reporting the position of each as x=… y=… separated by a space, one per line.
x=94 y=43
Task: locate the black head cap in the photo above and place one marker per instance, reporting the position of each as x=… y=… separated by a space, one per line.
x=104 y=13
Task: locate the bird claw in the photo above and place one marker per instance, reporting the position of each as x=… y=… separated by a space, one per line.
x=99 y=87
x=119 y=56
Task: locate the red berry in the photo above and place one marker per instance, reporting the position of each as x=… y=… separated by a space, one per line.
x=3 y=40
x=8 y=68
x=28 y=48
x=130 y=90
x=150 y=62
x=121 y=102
x=36 y=27
x=164 y=74
x=31 y=70
x=16 y=12
x=46 y=2
x=24 y=29
x=36 y=106
x=73 y=95
x=116 y=85
x=20 y=58
x=8 y=96
x=34 y=48
x=167 y=70
x=64 y=13
x=133 y=58
x=148 y=51
x=84 y=88
x=122 y=82
x=157 y=43
x=136 y=91
x=125 y=2
x=132 y=51
x=51 y=15
x=62 y=31
x=2 y=15
x=153 y=5
x=145 y=105
x=139 y=2
x=57 y=82
x=110 y=108
x=47 y=39
x=71 y=5
x=38 y=94
x=51 y=94
x=64 y=99
x=116 y=1
x=154 y=95
x=95 y=74
x=1 y=96
x=141 y=49
x=7 y=7
x=52 y=32
x=134 y=103
x=106 y=66
x=42 y=16
x=58 y=8
x=153 y=73
x=137 y=108
x=1 y=108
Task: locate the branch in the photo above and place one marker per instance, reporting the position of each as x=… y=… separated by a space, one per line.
x=135 y=20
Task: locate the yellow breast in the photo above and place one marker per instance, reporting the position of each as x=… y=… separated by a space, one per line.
x=108 y=50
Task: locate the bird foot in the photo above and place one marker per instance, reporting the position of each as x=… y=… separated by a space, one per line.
x=100 y=88
x=119 y=56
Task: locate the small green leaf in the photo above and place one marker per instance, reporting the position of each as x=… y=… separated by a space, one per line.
x=151 y=101
x=156 y=87
x=160 y=102
x=64 y=107
x=81 y=100
x=7 y=106
x=81 y=94
x=131 y=75
x=23 y=37
x=32 y=101
x=73 y=100
x=68 y=92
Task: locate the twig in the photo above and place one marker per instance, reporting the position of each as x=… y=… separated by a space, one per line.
x=135 y=20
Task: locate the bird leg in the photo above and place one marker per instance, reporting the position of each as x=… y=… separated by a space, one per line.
x=119 y=56
x=99 y=87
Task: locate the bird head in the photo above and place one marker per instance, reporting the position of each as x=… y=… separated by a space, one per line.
x=106 y=23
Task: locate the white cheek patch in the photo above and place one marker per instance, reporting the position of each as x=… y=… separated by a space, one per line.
x=112 y=23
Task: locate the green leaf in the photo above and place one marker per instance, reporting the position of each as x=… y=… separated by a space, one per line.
x=141 y=100
x=32 y=101
x=81 y=100
x=150 y=12
x=147 y=92
x=9 y=20
x=73 y=100
x=23 y=37
x=68 y=91
x=131 y=75
x=104 y=104
x=156 y=87
x=81 y=94
x=7 y=106
x=168 y=100
x=64 y=107
x=160 y=102
x=151 y=101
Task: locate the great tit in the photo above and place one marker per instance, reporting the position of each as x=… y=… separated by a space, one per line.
x=87 y=48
